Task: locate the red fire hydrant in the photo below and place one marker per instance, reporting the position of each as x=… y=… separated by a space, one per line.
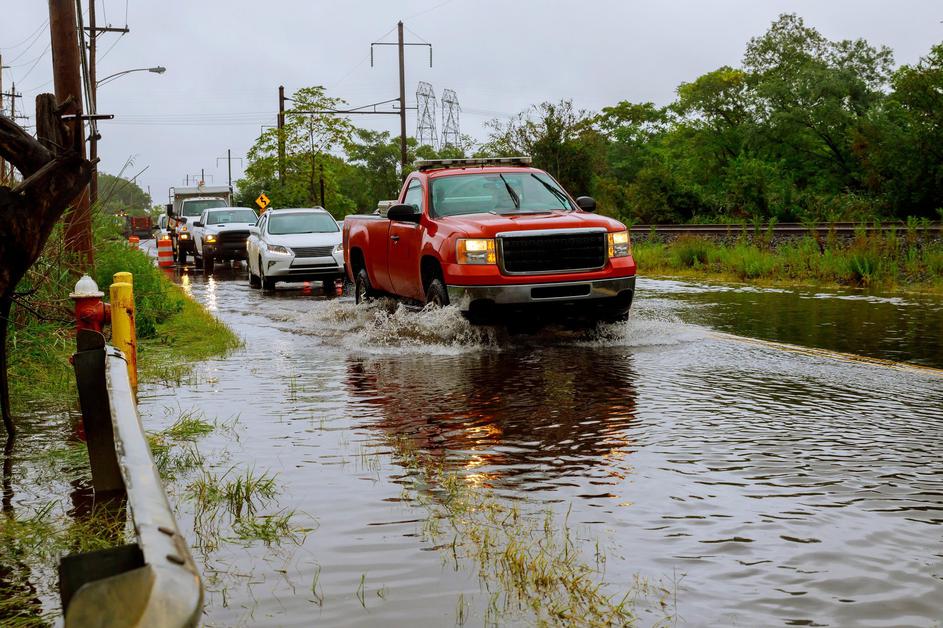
x=90 y=311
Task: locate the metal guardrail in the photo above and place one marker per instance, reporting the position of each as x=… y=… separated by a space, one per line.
x=153 y=582
x=783 y=228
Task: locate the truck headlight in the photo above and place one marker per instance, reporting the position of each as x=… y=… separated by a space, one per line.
x=278 y=249
x=184 y=236
x=210 y=239
x=619 y=244
x=476 y=251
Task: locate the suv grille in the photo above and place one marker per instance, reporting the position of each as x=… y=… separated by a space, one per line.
x=312 y=251
x=562 y=252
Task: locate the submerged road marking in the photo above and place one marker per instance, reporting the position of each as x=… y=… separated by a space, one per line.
x=833 y=355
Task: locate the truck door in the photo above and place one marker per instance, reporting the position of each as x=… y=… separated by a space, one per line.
x=405 y=239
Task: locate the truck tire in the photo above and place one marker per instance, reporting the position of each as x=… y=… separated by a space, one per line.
x=208 y=263
x=254 y=281
x=362 y=288
x=328 y=286
x=436 y=294
x=181 y=255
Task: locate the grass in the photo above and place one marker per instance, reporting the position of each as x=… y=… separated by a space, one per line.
x=529 y=560
x=885 y=260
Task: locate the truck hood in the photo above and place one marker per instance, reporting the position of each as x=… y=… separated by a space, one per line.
x=229 y=226
x=305 y=239
x=487 y=225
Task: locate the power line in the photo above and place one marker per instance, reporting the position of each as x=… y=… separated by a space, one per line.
x=34 y=36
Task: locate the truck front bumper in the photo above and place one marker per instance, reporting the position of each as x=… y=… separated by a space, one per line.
x=476 y=297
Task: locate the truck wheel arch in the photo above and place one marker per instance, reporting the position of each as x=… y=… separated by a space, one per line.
x=430 y=268
x=357 y=260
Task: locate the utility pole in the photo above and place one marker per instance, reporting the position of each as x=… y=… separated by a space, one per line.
x=93 y=140
x=229 y=159
x=400 y=44
x=281 y=134
x=93 y=31
x=403 y=157
x=3 y=163
x=68 y=85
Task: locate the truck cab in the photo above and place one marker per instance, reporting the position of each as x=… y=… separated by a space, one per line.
x=493 y=237
x=185 y=208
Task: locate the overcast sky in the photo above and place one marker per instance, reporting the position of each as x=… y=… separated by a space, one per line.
x=225 y=60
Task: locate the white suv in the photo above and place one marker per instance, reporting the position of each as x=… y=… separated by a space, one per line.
x=295 y=245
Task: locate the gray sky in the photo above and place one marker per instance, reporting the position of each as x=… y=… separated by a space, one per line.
x=225 y=60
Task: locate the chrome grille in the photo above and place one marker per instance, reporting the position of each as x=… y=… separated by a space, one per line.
x=312 y=251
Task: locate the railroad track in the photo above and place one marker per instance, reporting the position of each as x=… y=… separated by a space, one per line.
x=784 y=228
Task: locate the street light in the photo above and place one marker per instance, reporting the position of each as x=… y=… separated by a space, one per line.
x=158 y=70
x=93 y=140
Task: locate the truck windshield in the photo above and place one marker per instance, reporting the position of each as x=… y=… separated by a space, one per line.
x=313 y=222
x=195 y=208
x=504 y=193
x=232 y=215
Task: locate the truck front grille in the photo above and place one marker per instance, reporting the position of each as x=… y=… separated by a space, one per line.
x=553 y=253
x=233 y=237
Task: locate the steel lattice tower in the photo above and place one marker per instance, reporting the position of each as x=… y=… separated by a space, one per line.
x=425 y=115
x=451 y=133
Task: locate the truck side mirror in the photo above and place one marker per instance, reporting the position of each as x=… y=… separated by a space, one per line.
x=586 y=203
x=254 y=230
x=404 y=213
x=198 y=224
x=170 y=209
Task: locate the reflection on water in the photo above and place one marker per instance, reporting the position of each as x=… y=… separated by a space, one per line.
x=908 y=328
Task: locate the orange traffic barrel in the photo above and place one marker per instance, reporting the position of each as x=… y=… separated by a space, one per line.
x=133 y=241
x=165 y=252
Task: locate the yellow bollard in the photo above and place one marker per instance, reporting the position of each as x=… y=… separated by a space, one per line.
x=123 y=277
x=123 y=334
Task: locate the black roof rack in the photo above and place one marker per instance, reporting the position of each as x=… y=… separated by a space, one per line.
x=481 y=162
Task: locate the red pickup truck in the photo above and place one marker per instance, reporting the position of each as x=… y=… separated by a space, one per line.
x=493 y=237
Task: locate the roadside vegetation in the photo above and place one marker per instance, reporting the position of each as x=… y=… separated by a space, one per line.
x=906 y=259
x=173 y=330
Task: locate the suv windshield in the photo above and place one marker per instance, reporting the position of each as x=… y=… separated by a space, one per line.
x=195 y=208
x=232 y=215
x=308 y=222
x=498 y=193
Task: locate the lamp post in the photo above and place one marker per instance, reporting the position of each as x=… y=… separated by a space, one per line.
x=93 y=143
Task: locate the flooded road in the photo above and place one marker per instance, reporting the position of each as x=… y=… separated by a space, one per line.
x=715 y=481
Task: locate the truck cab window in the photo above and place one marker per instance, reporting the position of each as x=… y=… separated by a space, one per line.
x=414 y=195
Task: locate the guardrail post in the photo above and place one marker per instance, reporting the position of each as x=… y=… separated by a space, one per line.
x=89 y=364
x=123 y=334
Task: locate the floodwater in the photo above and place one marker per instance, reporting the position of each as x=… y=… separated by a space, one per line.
x=756 y=484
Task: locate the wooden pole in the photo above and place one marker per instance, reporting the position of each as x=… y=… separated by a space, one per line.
x=68 y=85
x=93 y=141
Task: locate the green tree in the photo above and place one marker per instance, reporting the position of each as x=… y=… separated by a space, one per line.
x=117 y=194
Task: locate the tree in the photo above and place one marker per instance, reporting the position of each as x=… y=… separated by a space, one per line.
x=118 y=194
x=52 y=178
x=559 y=138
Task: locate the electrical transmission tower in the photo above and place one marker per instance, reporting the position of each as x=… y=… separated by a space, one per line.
x=451 y=134
x=425 y=115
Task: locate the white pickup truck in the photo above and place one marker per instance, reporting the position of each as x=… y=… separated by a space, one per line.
x=220 y=235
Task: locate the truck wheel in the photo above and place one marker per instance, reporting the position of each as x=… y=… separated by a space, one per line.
x=254 y=281
x=208 y=263
x=181 y=256
x=328 y=286
x=362 y=289
x=436 y=294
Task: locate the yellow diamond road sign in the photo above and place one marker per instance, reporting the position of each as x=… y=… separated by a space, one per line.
x=262 y=201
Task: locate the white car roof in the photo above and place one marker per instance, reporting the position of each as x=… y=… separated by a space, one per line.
x=283 y=210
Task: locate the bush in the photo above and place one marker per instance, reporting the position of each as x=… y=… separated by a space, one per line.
x=154 y=302
x=691 y=251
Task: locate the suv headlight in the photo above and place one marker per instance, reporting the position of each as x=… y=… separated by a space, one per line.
x=619 y=244
x=278 y=249
x=338 y=248
x=476 y=251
